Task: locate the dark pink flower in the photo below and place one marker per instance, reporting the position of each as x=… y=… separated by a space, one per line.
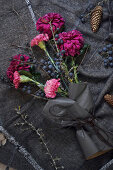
x=72 y=42
x=17 y=64
x=39 y=38
x=51 y=87
x=16 y=80
x=43 y=25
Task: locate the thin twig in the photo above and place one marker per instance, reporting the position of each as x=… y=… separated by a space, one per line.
x=40 y=134
x=25 y=28
x=18 y=46
x=20 y=18
x=83 y=57
x=21 y=149
x=38 y=97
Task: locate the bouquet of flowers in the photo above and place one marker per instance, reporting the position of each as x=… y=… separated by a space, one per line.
x=60 y=67
x=69 y=101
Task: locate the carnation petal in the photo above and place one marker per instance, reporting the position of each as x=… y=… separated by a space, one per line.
x=51 y=88
x=43 y=23
x=73 y=42
x=15 y=66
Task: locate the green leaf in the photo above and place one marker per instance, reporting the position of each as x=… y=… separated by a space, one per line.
x=86 y=46
x=32 y=69
x=36 y=76
x=83 y=50
x=26 y=73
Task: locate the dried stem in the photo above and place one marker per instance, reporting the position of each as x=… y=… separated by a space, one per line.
x=102 y=2
x=83 y=57
x=38 y=97
x=20 y=19
x=25 y=28
x=40 y=134
x=18 y=46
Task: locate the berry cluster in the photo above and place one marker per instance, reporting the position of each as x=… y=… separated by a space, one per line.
x=27 y=89
x=40 y=93
x=88 y=10
x=49 y=68
x=33 y=64
x=59 y=41
x=29 y=61
x=107 y=53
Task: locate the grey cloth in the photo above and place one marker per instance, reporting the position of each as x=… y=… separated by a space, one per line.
x=20 y=29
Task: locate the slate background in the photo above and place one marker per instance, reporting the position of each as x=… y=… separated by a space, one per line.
x=19 y=30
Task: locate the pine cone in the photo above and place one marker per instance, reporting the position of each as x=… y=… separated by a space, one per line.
x=109 y=99
x=96 y=17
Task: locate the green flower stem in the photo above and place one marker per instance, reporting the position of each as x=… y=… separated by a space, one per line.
x=62 y=78
x=62 y=92
x=25 y=79
x=53 y=36
x=75 y=74
x=41 y=86
x=51 y=60
x=75 y=71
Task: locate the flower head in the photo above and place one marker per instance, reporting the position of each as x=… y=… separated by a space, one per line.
x=38 y=39
x=51 y=87
x=16 y=80
x=72 y=42
x=20 y=79
x=17 y=64
x=43 y=25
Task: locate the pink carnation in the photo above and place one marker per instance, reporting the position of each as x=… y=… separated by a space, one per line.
x=15 y=65
x=72 y=42
x=51 y=87
x=43 y=25
x=39 y=38
x=16 y=80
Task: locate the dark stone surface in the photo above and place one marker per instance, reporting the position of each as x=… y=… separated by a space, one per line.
x=20 y=29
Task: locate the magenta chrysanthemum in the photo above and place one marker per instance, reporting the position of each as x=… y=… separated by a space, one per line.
x=17 y=64
x=51 y=88
x=72 y=42
x=16 y=80
x=43 y=25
